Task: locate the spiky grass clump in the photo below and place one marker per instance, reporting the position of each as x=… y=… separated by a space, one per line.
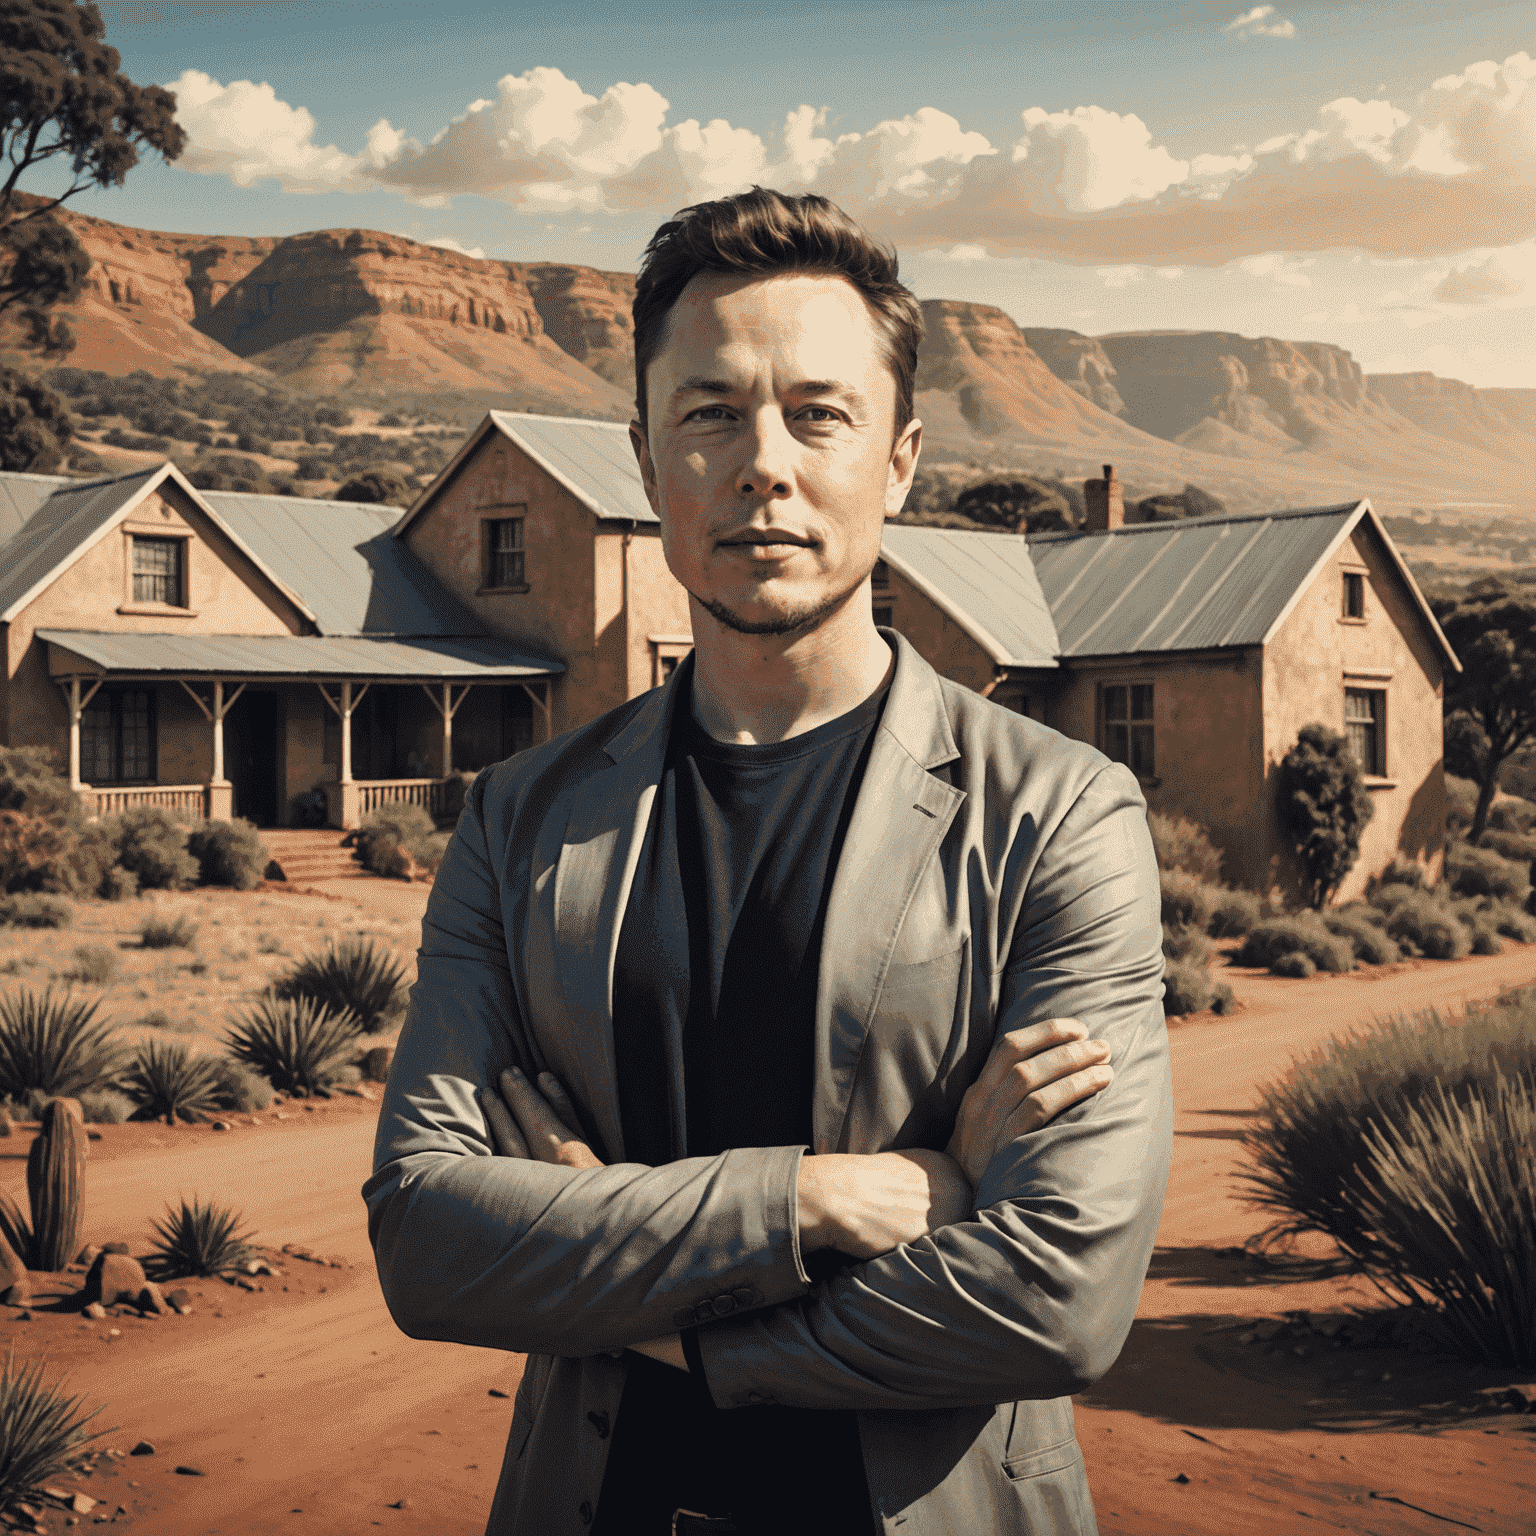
x=168 y=1083
x=168 y=933
x=357 y=976
x=199 y=1239
x=52 y=1044
x=298 y=1044
x=39 y=1433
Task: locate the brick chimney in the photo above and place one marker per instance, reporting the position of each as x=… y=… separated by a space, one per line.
x=1106 y=506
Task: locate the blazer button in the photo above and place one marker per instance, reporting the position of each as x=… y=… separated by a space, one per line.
x=724 y=1305
x=745 y=1296
x=585 y=1512
x=600 y=1424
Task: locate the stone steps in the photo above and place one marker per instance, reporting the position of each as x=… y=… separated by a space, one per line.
x=307 y=854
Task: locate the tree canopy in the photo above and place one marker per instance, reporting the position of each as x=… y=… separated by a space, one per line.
x=35 y=425
x=1325 y=806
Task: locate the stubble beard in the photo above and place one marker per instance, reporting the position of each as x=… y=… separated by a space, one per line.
x=802 y=618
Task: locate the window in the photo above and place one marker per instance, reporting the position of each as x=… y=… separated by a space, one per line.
x=1128 y=727
x=1354 y=595
x=117 y=737
x=1365 y=727
x=157 y=571
x=504 y=565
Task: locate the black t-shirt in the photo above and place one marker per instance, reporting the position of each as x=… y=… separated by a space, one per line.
x=718 y=953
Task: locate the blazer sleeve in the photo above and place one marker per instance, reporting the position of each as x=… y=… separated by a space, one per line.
x=1034 y=1295
x=519 y=1255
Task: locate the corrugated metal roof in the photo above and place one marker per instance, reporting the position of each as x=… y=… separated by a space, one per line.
x=1199 y=584
x=339 y=556
x=314 y=656
x=986 y=582
x=21 y=495
x=592 y=459
x=56 y=531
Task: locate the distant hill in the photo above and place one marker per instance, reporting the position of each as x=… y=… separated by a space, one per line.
x=382 y=320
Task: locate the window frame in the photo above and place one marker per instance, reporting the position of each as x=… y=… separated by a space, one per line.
x=112 y=698
x=510 y=512
x=132 y=603
x=1136 y=727
x=1353 y=585
x=1376 y=722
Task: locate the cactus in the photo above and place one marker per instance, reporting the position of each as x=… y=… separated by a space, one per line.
x=56 y=1185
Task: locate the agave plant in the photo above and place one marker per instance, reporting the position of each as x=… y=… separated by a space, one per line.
x=198 y=1239
x=166 y=1081
x=39 y=1436
x=298 y=1044
x=356 y=975
x=54 y=1044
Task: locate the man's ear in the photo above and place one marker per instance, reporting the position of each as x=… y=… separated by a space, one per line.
x=904 y=455
x=642 y=448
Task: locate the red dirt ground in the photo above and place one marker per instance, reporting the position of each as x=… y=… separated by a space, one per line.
x=308 y=1409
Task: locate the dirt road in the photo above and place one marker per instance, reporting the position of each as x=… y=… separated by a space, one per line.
x=311 y=1411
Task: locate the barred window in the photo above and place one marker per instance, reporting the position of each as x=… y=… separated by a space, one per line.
x=117 y=737
x=504 y=550
x=157 y=571
x=1365 y=727
x=1128 y=729
x=1354 y=595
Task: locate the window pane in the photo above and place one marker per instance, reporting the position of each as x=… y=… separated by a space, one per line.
x=97 y=741
x=507 y=552
x=1117 y=743
x=157 y=571
x=1114 y=706
x=1354 y=597
x=137 y=742
x=1141 y=701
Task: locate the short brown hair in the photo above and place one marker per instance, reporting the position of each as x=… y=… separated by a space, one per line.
x=762 y=233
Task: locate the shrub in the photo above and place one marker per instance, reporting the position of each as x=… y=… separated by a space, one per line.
x=1188 y=902
x=357 y=977
x=1235 y=914
x=1426 y=926
x=297 y=1044
x=1405 y=872
x=118 y=884
x=1517 y=847
x=1460 y=803
x=168 y=933
x=1512 y=922
x=1185 y=845
x=1367 y=937
x=228 y=853
x=53 y=1045
x=198 y=1240
x=167 y=1082
x=1187 y=988
x=1187 y=944
x=94 y=964
x=1306 y=934
x=1481 y=872
x=30 y=910
x=153 y=844
x=104 y=1106
x=42 y=1437
x=1512 y=814
x=239 y=1087
x=396 y=836
x=31 y=847
x=1325 y=806
x=1295 y=964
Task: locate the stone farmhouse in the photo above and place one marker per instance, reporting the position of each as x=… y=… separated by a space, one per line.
x=266 y=656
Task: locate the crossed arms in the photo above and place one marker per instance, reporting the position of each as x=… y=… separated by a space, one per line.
x=1027 y=1294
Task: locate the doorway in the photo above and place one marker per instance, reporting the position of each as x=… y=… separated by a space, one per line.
x=251 y=757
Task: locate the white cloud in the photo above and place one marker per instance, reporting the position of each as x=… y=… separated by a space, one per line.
x=1087 y=160
x=964 y=255
x=448 y=243
x=1284 y=270
x=1256 y=23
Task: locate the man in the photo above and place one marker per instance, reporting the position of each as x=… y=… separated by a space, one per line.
x=742 y=955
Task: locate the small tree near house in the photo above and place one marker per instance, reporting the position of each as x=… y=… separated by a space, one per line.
x=1325 y=806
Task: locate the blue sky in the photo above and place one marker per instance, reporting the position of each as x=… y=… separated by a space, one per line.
x=1346 y=172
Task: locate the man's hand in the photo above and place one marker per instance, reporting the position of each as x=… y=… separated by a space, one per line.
x=1032 y=1075
x=539 y=1125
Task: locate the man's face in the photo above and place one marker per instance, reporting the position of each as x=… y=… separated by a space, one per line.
x=769 y=457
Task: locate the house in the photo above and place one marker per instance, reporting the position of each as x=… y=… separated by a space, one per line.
x=223 y=653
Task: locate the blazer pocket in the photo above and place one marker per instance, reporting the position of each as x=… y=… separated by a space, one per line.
x=1051 y=1489
x=1054 y=1458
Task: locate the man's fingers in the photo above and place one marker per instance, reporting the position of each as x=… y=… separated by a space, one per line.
x=504 y=1132
x=554 y=1091
x=1057 y=1063
x=1045 y=1103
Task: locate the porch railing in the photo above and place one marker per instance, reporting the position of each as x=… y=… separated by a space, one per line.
x=427 y=793
x=188 y=799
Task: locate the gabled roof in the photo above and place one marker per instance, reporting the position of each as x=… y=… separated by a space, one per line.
x=1199 y=584
x=20 y=496
x=340 y=555
x=985 y=582
x=75 y=515
x=593 y=460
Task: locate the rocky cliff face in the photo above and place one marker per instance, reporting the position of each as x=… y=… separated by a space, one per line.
x=587 y=314
x=1480 y=418
x=1080 y=363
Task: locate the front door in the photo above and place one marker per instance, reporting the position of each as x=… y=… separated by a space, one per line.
x=250 y=756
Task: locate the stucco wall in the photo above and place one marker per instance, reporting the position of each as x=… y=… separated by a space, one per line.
x=658 y=605
x=1208 y=741
x=1307 y=667
x=936 y=637
x=555 y=617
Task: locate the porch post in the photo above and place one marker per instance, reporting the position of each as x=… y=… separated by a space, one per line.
x=346 y=733
x=218 y=731
x=448 y=729
x=74 y=733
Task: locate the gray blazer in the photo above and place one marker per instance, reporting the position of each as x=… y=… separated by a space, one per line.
x=994 y=874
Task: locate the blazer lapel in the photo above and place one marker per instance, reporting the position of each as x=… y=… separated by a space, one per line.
x=899 y=820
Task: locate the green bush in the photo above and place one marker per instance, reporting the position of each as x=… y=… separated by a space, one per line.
x=1187 y=944
x=1188 y=901
x=105 y=1106
x=1366 y=934
x=1295 y=964
x=1304 y=933
x=1235 y=914
x=1185 y=845
x=1402 y=872
x=1188 y=988
x=28 y=909
x=1325 y=807
x=42 y=1437
x=153 y=845
x=1410 y=1143
x=357 y=977
x=168 y=932
x=1423 y=924
x=198 y=1240
x=1512 y=922
x=239 y=1087
x=228 y=853
x=167 y=1082
x=1460 y=803
x=397 y=836
x=53 y=1045
x=297 y=1044
x=1481 y=872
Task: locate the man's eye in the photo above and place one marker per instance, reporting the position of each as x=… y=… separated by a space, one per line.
x=819 y=413
x=709 y=413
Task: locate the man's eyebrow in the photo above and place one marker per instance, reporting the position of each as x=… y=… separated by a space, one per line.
x=839 y=387
x=698 y=384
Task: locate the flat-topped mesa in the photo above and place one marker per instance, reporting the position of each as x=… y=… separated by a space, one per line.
x=587 y=313
x=1080 y=363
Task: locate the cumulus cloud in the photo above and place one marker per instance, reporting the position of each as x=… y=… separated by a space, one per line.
x=1284 y=270
x=1448 y=171
x=1478 y=283
x=448 y=243
x=1258 y=23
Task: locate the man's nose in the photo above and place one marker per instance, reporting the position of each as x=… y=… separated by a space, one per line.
x=768 y=468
